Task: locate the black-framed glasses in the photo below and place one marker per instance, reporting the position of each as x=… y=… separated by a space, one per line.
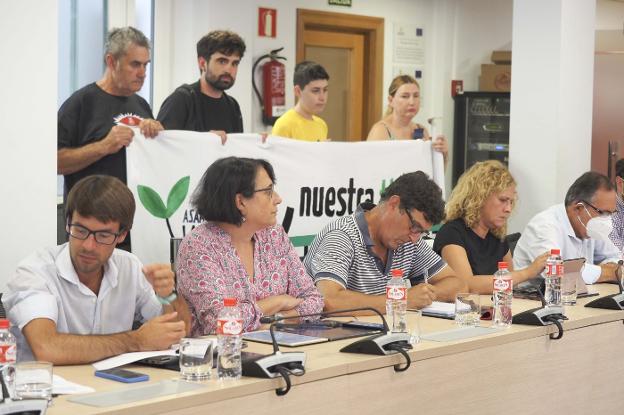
x=101 y=237
x=600 y=211
x=415 y=226
x=268 y=190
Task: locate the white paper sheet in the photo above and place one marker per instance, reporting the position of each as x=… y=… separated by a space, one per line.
x=442 y=309
x=128 y=358
x=61 y=386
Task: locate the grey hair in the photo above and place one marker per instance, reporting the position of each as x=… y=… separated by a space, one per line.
x=119 y=40
x=585 y=187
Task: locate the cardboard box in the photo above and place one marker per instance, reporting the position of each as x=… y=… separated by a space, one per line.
x=495 y=78
x=501 y=57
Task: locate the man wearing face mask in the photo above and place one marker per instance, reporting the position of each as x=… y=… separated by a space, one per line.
x=204 y=105
x=617 y=234
x=580 y=228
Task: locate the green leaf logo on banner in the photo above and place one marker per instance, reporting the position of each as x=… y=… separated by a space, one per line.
x=153 y=203
x=177 y=195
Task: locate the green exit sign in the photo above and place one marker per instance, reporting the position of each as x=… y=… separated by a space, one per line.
x=346 y=3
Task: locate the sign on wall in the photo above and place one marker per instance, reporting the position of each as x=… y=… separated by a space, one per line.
x=267 y=22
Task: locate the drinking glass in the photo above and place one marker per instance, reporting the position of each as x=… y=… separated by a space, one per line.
x=196 y=359
x=467 y=309
x=33 y=380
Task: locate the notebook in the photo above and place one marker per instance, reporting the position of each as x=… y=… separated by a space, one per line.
x=440 y=309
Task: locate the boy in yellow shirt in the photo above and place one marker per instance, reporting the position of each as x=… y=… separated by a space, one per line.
x=301 y=122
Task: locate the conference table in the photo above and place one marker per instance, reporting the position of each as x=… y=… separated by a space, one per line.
x=519 y=370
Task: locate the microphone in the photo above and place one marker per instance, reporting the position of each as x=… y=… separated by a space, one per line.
x=613 y=301
x=276 y=364
x=542 y=316
x=378 y=344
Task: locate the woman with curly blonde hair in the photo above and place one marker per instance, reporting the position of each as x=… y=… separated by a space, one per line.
x=472 y=241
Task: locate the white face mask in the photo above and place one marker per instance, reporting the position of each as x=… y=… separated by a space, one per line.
x=599 y=228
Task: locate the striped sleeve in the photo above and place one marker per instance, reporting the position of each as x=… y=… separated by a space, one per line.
x=332 y=258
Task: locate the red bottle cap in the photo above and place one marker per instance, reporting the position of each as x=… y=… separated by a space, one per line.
x=396 y=273
x=230 y=302
x=555 y=251
x=4 y=324
x=502 y=265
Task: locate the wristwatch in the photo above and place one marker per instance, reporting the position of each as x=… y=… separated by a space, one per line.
x=278 y=317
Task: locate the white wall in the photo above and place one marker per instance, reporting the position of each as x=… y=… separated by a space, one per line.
x=551 y=106
x=28 y=30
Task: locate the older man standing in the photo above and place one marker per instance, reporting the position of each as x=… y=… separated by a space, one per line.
x=579 y=227
x=94 y=123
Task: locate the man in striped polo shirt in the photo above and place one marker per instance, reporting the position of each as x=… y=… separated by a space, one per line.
x=351 y=258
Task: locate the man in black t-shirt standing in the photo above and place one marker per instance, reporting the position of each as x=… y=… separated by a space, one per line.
x=94 y=123
x=204 y=105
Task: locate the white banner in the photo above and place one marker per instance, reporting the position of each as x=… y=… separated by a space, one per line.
x=318 y=181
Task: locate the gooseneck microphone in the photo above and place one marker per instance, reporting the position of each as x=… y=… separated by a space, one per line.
x=542 y=316
x=613 y=301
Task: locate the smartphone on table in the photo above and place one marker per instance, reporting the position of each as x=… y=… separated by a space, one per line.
x=122 y=375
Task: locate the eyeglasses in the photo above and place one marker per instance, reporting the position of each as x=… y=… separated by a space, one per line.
x=268 y=190
x=101 y=237
x=600 y=211
x=415 y=226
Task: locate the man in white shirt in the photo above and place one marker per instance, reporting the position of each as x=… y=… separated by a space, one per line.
x=580 y=228
x=617 y=234
x=76 y=303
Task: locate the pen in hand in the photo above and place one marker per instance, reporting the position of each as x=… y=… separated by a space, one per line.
x=426 y=276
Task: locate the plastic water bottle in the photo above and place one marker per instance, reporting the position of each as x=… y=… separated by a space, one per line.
x=229 y=340
x=503 y=296
x=8 y=352
x=553 y=274
x=396 y=302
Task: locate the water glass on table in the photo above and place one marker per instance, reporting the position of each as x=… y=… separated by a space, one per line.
x=568 y=288
x=33 y=380
x=414 y=326
x=467 y=309
x=196 y=359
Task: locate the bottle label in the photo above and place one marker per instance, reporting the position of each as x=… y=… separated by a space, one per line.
x=554 y=269
x=502 y=284
x=396 y=293
x=229 y=326
x=7 y=353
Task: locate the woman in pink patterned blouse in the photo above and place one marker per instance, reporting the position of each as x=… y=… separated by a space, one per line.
x=240 y=252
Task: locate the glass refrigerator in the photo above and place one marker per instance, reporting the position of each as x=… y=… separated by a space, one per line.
x=481 y=129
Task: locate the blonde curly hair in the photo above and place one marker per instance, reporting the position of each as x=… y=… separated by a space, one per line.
x=472 y=190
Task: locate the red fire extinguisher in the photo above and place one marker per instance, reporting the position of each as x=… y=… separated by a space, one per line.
x=273 y=97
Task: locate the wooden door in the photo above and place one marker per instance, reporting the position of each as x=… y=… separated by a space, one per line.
x=350 y=47
x=342 y=56
x=608 y=123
